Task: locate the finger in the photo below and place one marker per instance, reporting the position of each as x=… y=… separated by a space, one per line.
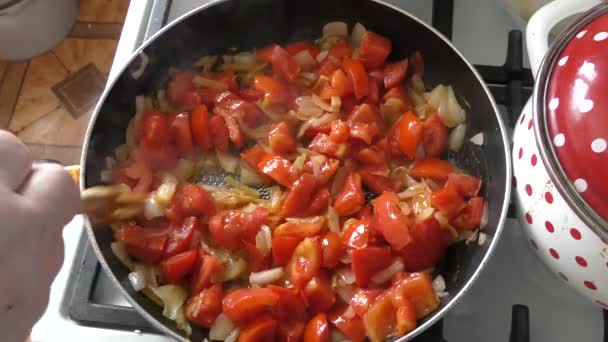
x=51 y=194
x=15 y=160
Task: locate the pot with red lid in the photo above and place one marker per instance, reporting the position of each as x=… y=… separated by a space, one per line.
x=560 y=153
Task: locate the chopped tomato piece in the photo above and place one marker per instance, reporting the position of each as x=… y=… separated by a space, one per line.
x=291 y=305
x=328 y=169
x=181 y=92
x=235 y=134
x=374 y=94
x=281 y=138
x=374 y=154
x=341 y=48
x=428 y=245
x=332 y=249
x=231 y=227
x=394 y=73
x=219 y=133
x=162 y=157
x=377 y=184
x=295 y=48
x=363 y=123
x=181 y=133
x=396 y=93
x=277 y=168
x=319 y=294
x=144 y=244
x=254 y=155
x=339 y=85
x=418 y=289
x=380 y=320
x=351 y=326
x=243 y=305
x=374 y=49
x=282 y=249
x=140 y=173
x=305 y=262
x=406 y=317
x=329 y=65
x=208 y=265
x=250 y=94
x=435 y=136
x=203 y=308
x=274 y=91
x=177 y=266
x=262 y=328
x=265 y=54
x=390 y=221
x=351 y=198
x=466 y=185
x=284 y=64
x=308 y=227
x=363 y=299
x=357 y=234
x=358 y=77
x=290 y=331
x=317 y=329
x=181 y=236
x=339 y=131
x=433 y=168
x=320 y=202
x=193 y=200
x=470 y=217
x=298 y=198
x=448 y=201
x=229 y=105
x=366 y=262
x=201 y=127
x=323 y=144
x=410 y=133
x=312 y=132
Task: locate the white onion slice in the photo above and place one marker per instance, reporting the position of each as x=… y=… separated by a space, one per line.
x=266 y=277
x=106 y=176
x=344 y=276
x=137 y=280
x=184 y=169
x=322 y=55
x=322 y=104
x=152 y=208
x=477 y=139
x=357 y=34
x=305 y=59
x=221 y=328
x=484 y=217
x=349 y=312
x=482 y=238
x=325 y=118
x=234 y=335
x=456 y=138
x=317 y=161
x=439 y=284
x=136 y=74
x=245 y=58
x=120 y=251
x=173 y=298
x=228 y=161
x=263 y=240
x=201 y=81
x=386 y=274
x=335 y=28
x=140 y=104
x=336 y=103
x=333 y=220
x=249 y=176
x=425 y=214
x=346 y=293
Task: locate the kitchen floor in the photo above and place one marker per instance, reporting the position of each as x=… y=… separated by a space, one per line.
x=47 y=101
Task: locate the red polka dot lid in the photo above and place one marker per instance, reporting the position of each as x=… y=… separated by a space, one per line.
x=571 y=117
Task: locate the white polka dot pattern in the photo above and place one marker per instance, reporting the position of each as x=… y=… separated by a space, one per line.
x=585 y=105
x=600 y=36
x=562 y=61
x=554 y=103
x=581 y=34
x=598 y=145
x=559 y=140
x=580 y=185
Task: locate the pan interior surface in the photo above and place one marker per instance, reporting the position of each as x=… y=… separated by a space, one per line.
x=246 y=25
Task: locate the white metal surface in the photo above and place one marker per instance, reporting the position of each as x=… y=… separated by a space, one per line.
x=513 y=276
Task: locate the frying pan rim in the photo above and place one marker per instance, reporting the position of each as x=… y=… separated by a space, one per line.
x=436 y=315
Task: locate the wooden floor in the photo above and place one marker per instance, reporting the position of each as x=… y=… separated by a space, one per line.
x=47 y=100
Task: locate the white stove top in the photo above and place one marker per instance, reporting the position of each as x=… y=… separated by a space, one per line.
x=513 y=275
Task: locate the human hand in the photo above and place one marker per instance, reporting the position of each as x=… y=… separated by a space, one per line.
x=36 y=201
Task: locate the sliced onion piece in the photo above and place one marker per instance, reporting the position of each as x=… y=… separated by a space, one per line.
x=307 y=108
x=152 y=208
x=333 y=220
x=249 y=176
x=245 y=58
x=248 y=191
x=140 y=104
x=477 y=139
x=263 y=240
x=136 y=74
x=425 y=214
x=386 y=274
x=259 y=132
x=335 y=28
x=456 y=138
x=439 y=284
x=482 y=238
x=120 y=251
x=418 y=84
x=233 y=270
x=322 y=55
x=344 y=276
x=137 y=280
x=201 y=81
x=228 y=161
x=346 y=292
x=324 y=119
x=106 y=176
x=317 y=161
x=336 y=103
x=305 y=60
x=266 y=277
x=484 y=217
x=221 y=328
x=173 y=298
x=357 y=34
x=234 y=335
x=322 y=104
x=349 y=312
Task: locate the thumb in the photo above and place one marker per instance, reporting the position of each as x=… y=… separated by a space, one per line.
x=52 y=194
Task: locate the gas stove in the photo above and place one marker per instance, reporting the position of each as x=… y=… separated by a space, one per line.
x=515 y=299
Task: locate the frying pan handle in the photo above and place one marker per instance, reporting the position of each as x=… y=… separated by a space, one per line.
x=543 y=21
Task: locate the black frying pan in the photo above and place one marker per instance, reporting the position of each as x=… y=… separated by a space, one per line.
x=247 y=24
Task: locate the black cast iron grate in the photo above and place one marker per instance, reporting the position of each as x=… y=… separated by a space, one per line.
x=510 y=84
